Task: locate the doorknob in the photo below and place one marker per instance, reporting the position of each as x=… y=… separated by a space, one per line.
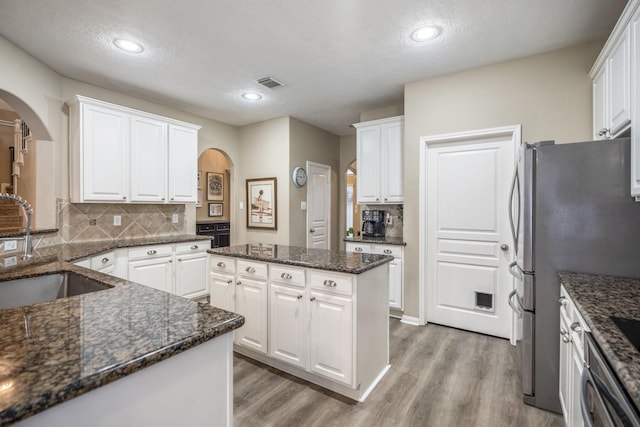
x=312 y=231
x=504 y=247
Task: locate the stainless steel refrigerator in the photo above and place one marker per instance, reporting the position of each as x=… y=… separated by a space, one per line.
x=570 y=210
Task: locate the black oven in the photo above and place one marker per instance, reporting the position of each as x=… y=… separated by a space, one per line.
x=220 y=233
x=603 y=401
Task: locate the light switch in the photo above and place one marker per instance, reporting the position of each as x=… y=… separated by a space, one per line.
x=10 y=245
x=303 y=205
x=117 y=220
x=241 y=205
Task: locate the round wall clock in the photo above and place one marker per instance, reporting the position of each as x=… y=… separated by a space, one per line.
x=299 y=176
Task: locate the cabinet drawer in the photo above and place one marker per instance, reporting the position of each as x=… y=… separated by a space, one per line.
x=331 y=282
x=359 y=247
x=286 y=274
x=191 y=247
x=150 y=252
x=392 y=250
x=223 y=265
x=101 y=261
x=252 y=269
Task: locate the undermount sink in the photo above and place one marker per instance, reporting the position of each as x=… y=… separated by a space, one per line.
x=50 y=287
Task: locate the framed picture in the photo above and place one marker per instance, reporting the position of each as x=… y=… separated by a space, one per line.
x=215 y=186
x=215 y=209
x=261 y=198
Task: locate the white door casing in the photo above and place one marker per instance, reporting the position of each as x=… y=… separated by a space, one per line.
x=464 y=180
x=318 y=206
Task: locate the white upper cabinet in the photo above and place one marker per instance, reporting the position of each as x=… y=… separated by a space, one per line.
x=635 y=107
x=619 y=85
x=118 y=154
x=600 y=105
x=380 y=157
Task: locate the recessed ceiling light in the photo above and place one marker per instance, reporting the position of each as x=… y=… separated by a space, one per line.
x=426 y=33
x=128 y=45
x=251 y=96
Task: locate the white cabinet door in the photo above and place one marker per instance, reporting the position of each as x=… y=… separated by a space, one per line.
x=251 y=302
x=393 y=159
x=183 y=164
x=565 y=364
x=223 y=291
x=332 y=337
x=576 y=361
x=395 y=284
x=105 y=144
x=635 y=86
x=368 y=156
x=148 y=159
x=619 y=86
x=156 y=273
x=191 y=275
x=600 y=107
x=288 y=340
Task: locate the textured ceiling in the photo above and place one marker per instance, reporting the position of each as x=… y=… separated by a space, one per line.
x=337 y=58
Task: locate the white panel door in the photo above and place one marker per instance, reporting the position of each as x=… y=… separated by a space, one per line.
x=223 y=291
x=183 y=164
x=332 y=337
x=251 y=302
x=467 y=270
x=319 y=206
x=105 y=135
x=368 y=154
x=288 y=324
x=393 y=168
x=156 y=273
x=191 y=275
x=148 y=160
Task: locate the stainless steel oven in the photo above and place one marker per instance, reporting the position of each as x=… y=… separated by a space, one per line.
x=219 y=232
x=603 y=401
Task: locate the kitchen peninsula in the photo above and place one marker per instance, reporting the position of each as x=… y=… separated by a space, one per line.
x=59 y=360
x=320 y=315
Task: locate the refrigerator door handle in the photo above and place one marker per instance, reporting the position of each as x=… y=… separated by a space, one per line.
x=515 y=225
x=515 y=271
x=516 y=308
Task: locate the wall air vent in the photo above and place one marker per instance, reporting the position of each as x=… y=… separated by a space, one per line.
x=270 y=82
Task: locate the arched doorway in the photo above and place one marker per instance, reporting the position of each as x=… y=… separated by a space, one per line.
x=214 y=207
x=353 y=225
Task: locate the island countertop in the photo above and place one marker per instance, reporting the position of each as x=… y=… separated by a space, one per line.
x=323 y=259
x=598 y=298
x=77 y=344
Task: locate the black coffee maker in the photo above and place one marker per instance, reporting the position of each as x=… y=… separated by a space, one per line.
x=372 y=223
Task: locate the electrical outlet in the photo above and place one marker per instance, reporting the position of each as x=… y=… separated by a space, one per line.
x=117 y=220
x=10 y=261
x=10 y=245
x=175 y=218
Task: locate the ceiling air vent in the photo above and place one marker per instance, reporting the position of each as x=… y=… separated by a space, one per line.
x=270 y=82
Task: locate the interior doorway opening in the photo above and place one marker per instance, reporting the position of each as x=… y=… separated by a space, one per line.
x=353 y=225
x=214 y=206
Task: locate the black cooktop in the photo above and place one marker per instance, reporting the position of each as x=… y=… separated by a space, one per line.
x=630 y=328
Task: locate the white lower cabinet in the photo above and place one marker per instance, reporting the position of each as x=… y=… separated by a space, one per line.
x=251 y=302
x=153 y=271
x=331 y=335
x=288 y=323
x=191 y=270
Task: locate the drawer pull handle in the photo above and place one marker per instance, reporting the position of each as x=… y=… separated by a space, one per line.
x=152 y=252
x=229 y=282
x=562 y=301
x=238 y=283
x=250 y=270
x=312 y=299
x=286 y=276
x=194 y=247
x=221 y=264
x=563 y=331
x=105 y=260
x=330 y=283
x=575 y=327
x=387 y=251
x=358 y=249
x=299 y=297
x=179 y=260
x=566 y=339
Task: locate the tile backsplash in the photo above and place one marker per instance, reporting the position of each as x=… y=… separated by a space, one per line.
x=82 y=222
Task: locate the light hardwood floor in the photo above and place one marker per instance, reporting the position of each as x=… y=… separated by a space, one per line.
x=439 y=376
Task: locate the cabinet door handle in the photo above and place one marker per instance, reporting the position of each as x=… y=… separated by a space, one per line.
x=562 y=301
x=124 y=197
x=300 y=297
x=387 y=251
x=358 y=249
x=194 y=247
x=312 y=231
x=238 y=283
x=575 y=327
x=105 y=260
x=152 y=252
x=286 y=276
x=221 y=264
x=377 y=199
x=312 y=299
x=229 y=281
x=563 y=331
x=330 y=283
x=250 y=270
x=566 y=339
x=604 y=132
x=162 y=199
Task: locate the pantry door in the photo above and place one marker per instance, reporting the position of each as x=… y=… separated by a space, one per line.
x=318 y=206
x=468 y=243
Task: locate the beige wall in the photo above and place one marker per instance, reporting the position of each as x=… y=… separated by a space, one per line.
x=309 y=143
x=264 y=153
x=548 y=94
x=6 y=141
x=213 y=160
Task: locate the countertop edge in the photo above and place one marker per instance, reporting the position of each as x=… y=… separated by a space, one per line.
x=380 y=240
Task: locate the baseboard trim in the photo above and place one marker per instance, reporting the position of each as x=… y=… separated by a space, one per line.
x=410 y=320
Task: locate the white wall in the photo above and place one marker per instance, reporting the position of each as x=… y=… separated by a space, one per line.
x=548 y=94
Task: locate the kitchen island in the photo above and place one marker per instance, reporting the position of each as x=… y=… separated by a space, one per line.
x=126 y=355
x=317 y=314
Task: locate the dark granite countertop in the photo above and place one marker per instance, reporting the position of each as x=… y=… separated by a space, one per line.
x=379 y=240
x=8 y=234
x=345 y=262
x=80 y=343
x=598 y=298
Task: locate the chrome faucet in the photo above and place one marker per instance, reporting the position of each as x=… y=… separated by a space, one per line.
x=28 y=210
